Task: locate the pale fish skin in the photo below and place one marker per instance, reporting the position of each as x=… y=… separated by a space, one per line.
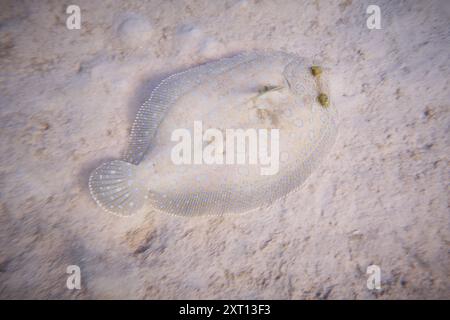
x=260 y=90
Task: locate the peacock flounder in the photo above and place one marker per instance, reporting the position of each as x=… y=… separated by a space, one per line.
x=181 y=159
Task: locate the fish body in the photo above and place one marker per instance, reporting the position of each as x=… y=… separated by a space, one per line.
x=185 y=156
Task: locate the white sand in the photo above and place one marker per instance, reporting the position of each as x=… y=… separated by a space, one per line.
x=67 y=101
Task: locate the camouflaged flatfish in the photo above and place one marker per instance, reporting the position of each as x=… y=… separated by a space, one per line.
x=248 y=91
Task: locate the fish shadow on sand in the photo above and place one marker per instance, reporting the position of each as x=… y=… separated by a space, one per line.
x=150 y=82
x=142 y=93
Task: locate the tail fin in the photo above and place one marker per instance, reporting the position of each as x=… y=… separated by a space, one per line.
x=116 y=188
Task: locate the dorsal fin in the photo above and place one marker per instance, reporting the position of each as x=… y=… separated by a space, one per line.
x=152 y=112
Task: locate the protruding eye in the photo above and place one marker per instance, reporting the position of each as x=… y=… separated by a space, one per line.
x=323 y=100
x=316 y=71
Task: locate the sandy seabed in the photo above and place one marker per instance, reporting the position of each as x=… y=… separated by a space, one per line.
x=68 y=99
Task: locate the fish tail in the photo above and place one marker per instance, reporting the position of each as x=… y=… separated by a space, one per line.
x=116 y=188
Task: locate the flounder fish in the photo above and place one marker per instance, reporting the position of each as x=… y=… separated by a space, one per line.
x=227 y=136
